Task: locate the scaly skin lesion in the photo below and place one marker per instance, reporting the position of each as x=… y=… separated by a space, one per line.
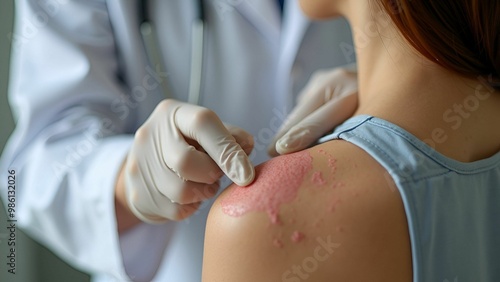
x=274 y=186
x=353 y=211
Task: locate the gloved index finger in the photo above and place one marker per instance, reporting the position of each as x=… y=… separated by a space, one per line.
x=317 y=124
x=299 y=113
x=207 y=129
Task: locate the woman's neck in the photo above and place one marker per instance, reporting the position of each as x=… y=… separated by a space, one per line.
x=451 y=113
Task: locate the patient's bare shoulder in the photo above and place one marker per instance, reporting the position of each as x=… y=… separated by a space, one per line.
x=325 y=214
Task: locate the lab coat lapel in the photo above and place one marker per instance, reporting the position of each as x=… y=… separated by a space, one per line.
x=264 y=16
x=294 y=29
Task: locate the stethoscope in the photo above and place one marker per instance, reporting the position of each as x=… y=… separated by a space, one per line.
x=151 y=44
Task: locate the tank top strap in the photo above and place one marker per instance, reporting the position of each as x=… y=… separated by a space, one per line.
x=398 y=152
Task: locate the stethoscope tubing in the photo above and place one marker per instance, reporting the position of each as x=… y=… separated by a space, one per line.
x=150 y=40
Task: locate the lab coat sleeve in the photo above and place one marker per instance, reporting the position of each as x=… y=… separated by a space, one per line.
x=70 y=140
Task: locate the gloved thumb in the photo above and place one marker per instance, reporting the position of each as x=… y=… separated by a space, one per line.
x=243 y=138
x=205 y=127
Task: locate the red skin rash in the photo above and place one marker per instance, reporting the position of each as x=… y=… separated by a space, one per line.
x=297 y=236
x=278 y=243
x=277 y=182
x=317 y=179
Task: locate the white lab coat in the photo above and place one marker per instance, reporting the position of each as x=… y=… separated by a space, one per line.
x=80 y=87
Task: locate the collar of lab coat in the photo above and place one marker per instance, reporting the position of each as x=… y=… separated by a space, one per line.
x=284 y=34
x=265 y=17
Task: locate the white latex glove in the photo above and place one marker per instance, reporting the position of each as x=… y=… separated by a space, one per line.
x=329 y=98
x=177 y=158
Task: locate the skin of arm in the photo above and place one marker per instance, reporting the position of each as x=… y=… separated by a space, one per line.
x=354 y=227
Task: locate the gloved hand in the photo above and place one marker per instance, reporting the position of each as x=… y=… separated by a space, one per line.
x=177 y=158
x=329 y=98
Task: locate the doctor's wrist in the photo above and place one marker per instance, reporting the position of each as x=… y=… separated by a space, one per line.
x=125 y=219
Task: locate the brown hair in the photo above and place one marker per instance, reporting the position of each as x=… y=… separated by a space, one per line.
x=460 y=35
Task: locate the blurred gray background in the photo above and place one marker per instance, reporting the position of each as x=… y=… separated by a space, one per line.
x=33 y=262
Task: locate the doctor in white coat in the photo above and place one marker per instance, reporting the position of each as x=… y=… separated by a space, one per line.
x=82 y=85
